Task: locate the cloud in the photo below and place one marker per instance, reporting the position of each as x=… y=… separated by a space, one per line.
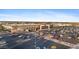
x=46 y=16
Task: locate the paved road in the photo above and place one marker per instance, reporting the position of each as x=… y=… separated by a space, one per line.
x=26 y=41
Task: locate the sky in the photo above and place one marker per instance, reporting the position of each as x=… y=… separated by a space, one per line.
x=39 y=15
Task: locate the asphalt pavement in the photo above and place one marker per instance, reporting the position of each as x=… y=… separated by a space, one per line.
x=26 y=41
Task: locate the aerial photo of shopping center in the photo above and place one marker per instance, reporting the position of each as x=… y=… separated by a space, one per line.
x=39 y=29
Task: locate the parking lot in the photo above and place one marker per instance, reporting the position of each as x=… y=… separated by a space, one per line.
x=27 y=41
